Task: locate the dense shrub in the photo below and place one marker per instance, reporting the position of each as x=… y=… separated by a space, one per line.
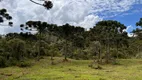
x=11 y=62
x=2 y=61
x=17 y=48
x=23 y=64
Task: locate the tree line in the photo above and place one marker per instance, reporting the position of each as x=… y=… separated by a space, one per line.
x=104 y=43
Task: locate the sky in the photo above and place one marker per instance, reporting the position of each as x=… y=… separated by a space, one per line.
x=129 y=18
x=84 y=13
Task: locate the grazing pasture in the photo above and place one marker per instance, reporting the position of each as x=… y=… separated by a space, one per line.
x=127 y=69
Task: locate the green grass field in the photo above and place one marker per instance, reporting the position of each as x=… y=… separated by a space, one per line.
x=74 y=70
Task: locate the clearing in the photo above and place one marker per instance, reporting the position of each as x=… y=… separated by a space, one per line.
x=129 y=69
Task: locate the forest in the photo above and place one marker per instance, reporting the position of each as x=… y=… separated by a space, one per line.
x=107 y=43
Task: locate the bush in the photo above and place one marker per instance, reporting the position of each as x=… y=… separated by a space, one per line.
x=23 y=64
x=2 y=62
x=11 y=62
x=94 y=66
x=17 y=48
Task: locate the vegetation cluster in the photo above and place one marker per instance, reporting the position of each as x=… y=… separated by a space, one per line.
x=104 y=43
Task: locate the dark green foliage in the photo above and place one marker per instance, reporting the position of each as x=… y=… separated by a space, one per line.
x=16 y=48
x=80 y=54
x=138 y=31
x=5 y=16
x=48 y=4
x=139 y=23
x=23 y=64
x=2 y=61
x=110 y=34
x=11 y=61
x=105 y=41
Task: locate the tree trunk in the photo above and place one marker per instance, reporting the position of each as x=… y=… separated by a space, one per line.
x=65 y=53
x=107 y=55
x=117 y=52
x=52 y=60
x=38 y=57
x=108 y=50
x=99 y=57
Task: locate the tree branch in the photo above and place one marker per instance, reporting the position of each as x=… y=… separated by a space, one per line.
x=36 y=2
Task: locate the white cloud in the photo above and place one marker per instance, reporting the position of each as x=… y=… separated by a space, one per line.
x=129 y=28
x=130 y=35
x=83 y=13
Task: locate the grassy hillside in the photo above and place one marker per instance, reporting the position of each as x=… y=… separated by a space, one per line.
x=73 y=70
